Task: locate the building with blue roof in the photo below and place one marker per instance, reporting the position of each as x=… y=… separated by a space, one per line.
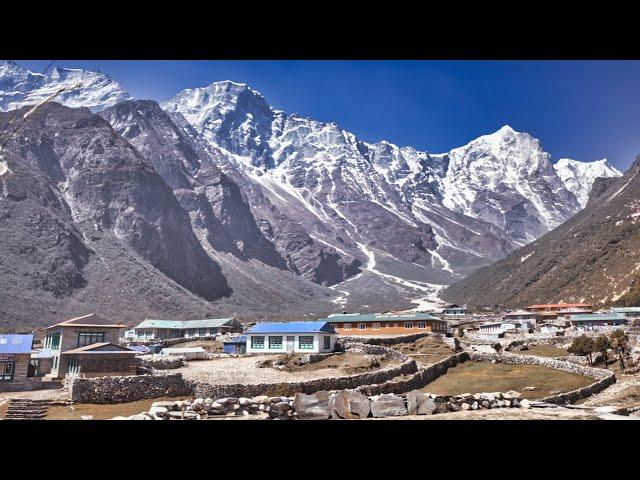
x=598 y=321
x=291 y=337
x=15 y=359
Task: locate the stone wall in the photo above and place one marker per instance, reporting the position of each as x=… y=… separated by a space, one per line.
x=604 y=378
x=416 y=380
x=162 y=362
x=201 y=389
x=385 y=340
x=127 y=388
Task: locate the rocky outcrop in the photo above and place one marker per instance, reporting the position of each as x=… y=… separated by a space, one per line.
x=87 y=224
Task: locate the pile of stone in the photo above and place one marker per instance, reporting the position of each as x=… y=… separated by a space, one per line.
x=263 y=407
x=162 y=362
x=351 y=404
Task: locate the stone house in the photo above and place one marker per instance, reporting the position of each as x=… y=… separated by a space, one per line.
x=291 y=337
x=549 y=311
x=385 y=323
x=15 y=356
x=454 y=310
x=74 y=334
x=101 y=360
x=151 y=329
x=598 y=321
x=523 y=318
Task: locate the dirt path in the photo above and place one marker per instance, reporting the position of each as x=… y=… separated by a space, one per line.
x=624 y=393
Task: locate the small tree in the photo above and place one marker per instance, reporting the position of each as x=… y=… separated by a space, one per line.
x=602 y=345
x=498 y=347
x=620 y=343
x=582 y=346
x=461 y=332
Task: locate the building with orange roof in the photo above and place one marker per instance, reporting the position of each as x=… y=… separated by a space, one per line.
x=551 y=311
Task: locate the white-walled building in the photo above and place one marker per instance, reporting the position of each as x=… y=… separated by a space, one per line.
x=291 y=337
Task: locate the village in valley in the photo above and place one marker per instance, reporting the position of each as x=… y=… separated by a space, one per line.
x=546 y=361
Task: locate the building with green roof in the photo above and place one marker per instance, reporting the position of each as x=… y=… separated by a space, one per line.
x=391 y=323
x=152 y=329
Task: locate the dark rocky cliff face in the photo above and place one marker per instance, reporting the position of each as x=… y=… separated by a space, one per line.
x=593 y=257
x=79 y=196
x=214 y=202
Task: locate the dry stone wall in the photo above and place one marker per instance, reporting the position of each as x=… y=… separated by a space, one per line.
x=123 y=389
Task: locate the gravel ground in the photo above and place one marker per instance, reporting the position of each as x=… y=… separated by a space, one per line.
x=225 y=371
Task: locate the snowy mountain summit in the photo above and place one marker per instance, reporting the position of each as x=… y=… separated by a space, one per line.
x=268 y=191
x=578 y=177
x=19 y=87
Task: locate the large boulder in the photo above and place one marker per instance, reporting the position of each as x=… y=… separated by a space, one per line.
x=349 y=404
x=312 y=407
x=419 y=403
x=388 y=405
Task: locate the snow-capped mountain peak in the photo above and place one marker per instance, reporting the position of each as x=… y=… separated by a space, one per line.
x=82 y=88
x=578 y=177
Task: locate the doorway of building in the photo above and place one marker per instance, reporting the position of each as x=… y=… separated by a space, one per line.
x=290 y=343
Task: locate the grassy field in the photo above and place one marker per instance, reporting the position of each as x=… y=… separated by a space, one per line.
x=475 y=377
x=543 y=351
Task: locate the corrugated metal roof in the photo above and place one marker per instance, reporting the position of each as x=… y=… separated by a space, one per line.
x=92 y=320
x=185 y=324
x=292 y=327
x=238 y=340
x=379 y=317
x=42 y=353
x=99 y=347
x=591 y=317
x=16 y=343
x=626 y=309
x=559 y=305
x=178 y=350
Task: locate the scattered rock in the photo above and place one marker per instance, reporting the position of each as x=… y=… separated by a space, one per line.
x=388 y=405
x=312 y=407
x=349 y=404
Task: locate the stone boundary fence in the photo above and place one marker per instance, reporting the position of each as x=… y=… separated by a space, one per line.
x=131 y=388
x=123 y=389
x=604 y=378
x=416 y=380
x=385 y=341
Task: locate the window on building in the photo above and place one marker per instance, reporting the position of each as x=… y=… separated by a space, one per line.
x=55 y=362
x=327 y=343
x=275 y=343
x=387 y=325
x=87 y=338
x=408 y=325
x=74 y=365
x=257 y=342
x=422 y=325
x=376 y=326
x=202 y=332
x=305 y=342
x=362 y=326
x=6 y=371
x=346 y=326
x=55 y=341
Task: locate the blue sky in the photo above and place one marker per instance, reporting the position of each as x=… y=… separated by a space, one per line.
x=585 y=110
